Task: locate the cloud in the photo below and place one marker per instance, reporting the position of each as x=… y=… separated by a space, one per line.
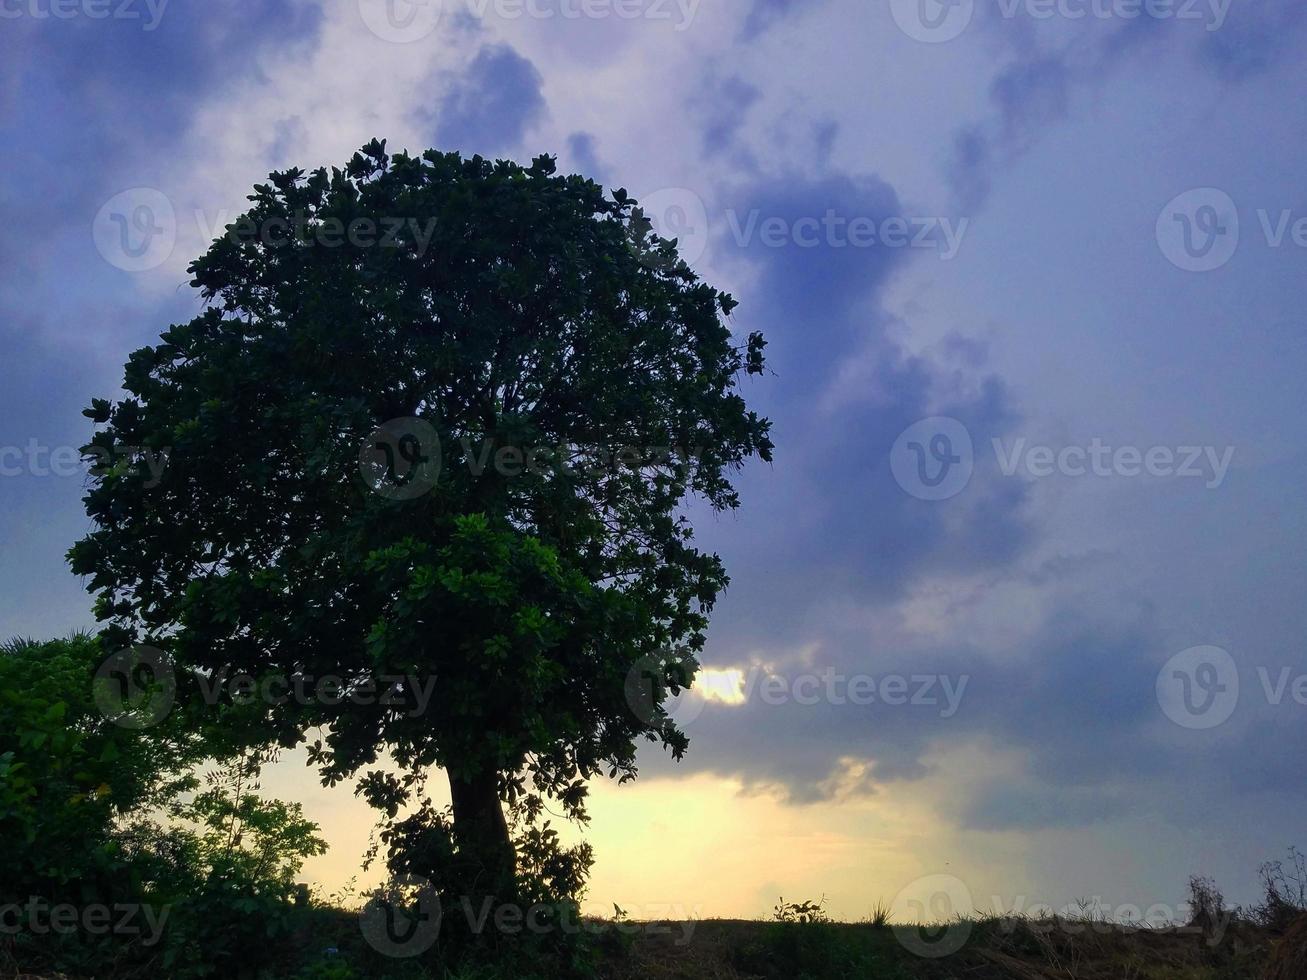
x=837 y=524
x=1254 y=38
x=729 y=104
x=583 y=151
x=1059 y=604
x=764 y=13
x=1035 y=88
x=489 y=108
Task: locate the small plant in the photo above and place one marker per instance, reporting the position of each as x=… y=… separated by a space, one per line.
x=880 y=915
x=1284 y=883
x=806 y=912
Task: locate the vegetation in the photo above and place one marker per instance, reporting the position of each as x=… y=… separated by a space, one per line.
x=536 y=383
x=380 y=474
x=425 y=455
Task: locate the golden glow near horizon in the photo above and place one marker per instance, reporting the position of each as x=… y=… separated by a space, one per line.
x=695 y=846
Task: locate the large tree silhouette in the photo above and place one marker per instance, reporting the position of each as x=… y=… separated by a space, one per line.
x=422 y=428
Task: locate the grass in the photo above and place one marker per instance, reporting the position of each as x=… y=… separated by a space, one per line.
x=1009 y=949
x=1017 y=948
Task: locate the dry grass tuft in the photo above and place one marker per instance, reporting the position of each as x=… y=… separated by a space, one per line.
x=1289 y=959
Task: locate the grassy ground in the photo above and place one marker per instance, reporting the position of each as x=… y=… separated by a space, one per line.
x=993 y=950
x=717 y=949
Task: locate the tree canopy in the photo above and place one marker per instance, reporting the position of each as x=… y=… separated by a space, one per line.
x=438 y=419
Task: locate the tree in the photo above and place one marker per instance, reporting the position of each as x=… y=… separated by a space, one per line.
x=68 y=775
x=433 y=422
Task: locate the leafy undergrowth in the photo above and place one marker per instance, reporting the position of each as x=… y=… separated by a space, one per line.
x=719 y=949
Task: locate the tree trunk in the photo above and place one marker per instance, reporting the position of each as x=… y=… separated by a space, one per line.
x=482 y=833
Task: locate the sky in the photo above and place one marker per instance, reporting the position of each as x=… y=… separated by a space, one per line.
x=1016 y=614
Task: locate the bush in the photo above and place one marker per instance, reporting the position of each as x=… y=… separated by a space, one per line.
x=105 y=815
x=67 y=774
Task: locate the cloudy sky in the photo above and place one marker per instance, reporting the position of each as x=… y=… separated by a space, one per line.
x=1019 y=602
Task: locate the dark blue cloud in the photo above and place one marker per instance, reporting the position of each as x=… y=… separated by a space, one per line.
x=583 y=151
x=827 y=529
x=1254 y=38
x=1030 y=95
x=764 y=13
x=489 y=107
x=91 y=107
x=729 y=100
x=1035 y=89
x=1006 y=804
x=836 y=522
x=115 y=86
